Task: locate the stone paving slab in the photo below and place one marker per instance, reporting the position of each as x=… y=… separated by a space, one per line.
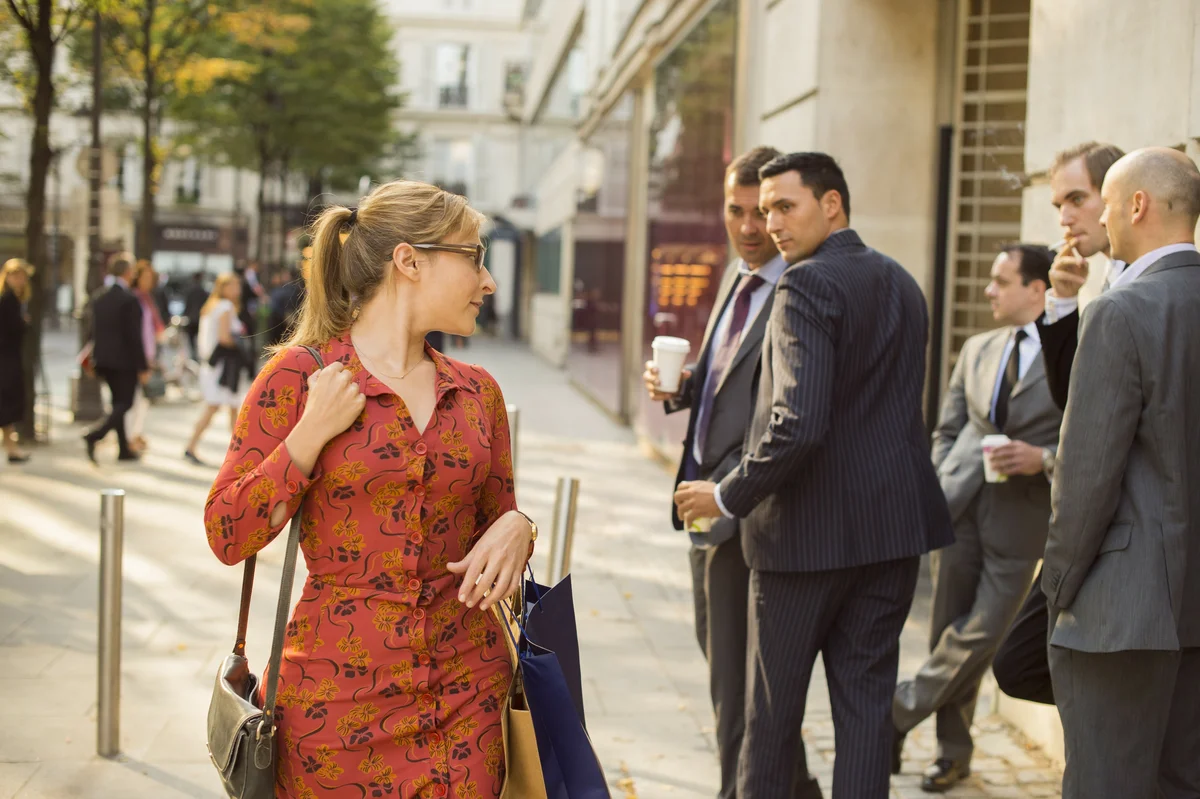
x=645 y=681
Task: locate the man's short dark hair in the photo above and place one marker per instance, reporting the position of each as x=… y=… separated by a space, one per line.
x=119 y=264
x=818 y=171
x=1097 y=157
x=1033 y=262
x=745 y=167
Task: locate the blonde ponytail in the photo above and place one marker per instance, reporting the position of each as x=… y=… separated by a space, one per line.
x=327 y=309
x=352 y=250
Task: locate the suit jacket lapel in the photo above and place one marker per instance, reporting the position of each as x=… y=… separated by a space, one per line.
x=728 y=280
x=1035 y=374
x=753 y=337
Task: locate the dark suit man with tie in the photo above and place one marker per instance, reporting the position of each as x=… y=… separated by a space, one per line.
x=835 y=491
x=719 y=389
x=1122 y=564
x=1021 y=666
x=979 y=582
x=118 y=353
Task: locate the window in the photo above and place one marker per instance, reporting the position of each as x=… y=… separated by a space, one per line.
x=450 y=70
x=453 y=166
x=548 y=261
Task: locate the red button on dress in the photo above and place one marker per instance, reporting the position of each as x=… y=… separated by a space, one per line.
x=292 y=486
x=420 y=448
x=414 y=585
x=423 y=659
x=419 y=614
x=440 y=790
x=419 y=491
x=417 y=538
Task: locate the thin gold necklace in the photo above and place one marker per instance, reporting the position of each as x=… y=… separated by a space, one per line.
x=371 y=358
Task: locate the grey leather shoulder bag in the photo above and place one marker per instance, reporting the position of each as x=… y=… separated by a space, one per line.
x=241 y=735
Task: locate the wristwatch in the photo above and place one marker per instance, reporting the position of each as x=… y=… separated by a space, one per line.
x=1048 y=463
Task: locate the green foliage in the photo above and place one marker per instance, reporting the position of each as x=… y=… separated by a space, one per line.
x=317 y=93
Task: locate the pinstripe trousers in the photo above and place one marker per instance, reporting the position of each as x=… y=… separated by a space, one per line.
x=853 y=618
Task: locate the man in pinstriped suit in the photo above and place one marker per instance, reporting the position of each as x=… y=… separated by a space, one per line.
x=836 y=492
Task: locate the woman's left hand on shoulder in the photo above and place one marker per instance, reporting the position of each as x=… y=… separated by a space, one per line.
x=493 y=569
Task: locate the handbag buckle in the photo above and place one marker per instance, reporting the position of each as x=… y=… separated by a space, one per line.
x=265 y=721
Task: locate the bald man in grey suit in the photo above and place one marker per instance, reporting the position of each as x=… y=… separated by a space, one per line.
x=1122 y=564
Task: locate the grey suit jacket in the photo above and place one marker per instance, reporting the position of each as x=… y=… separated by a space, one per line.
x=1017 y=520
x=1122 y=562
x=836 y=472
x=732 y=406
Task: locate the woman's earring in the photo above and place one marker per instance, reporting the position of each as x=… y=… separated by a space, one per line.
x=354 y=313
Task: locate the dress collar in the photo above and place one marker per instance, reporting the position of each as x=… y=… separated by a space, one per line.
x=450 y=374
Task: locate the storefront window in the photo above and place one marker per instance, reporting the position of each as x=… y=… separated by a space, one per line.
x=600 y=225
x=690 y=146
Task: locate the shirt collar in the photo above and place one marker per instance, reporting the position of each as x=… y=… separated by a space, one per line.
x=1135 y=269
x=770 y=272
x=449 y=372
x=1031 y=332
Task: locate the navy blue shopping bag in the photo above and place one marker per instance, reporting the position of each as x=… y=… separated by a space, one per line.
x=550 y=624
x=553 y=694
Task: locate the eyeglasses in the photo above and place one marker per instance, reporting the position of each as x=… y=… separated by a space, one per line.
x=476 y=251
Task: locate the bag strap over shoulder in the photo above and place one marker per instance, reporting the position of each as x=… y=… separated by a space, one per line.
x=285 y=600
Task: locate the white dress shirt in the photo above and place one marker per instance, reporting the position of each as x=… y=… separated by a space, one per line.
x=770 y=272
x=1031 y=347
x=1139 y=267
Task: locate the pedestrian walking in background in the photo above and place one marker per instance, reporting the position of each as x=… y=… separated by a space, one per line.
x=981 y=580
x=118 y=352
x=719 y=390
x=395 y=674
x=145 y=283
x=225 y=366
x=835 y=491
x=193 y=303
x=15 y=289
x=285 y=303
x=1122 y=563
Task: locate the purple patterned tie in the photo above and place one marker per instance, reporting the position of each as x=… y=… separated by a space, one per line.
x=723 y=356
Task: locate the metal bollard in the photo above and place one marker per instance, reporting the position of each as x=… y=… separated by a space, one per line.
x=563 y=533
x=514 y=430
x=112 y=535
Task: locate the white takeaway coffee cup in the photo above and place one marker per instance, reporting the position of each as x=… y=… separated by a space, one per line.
x=669 y=354
x=990 y=443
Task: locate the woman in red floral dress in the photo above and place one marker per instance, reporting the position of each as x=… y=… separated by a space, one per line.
x=394 y=672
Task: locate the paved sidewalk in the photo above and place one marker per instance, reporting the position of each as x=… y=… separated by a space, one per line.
x=646 y=690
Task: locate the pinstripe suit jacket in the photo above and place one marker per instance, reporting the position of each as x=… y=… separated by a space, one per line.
x=837 y=471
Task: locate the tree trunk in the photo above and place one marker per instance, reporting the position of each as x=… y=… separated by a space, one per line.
x=41 y=46
x=283 y=211
x=264 y=168
x=145 y=245
x=316 y=187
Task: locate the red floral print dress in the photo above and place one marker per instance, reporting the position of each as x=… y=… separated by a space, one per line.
x=390 y=687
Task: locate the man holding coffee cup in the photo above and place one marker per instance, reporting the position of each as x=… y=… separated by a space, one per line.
x=718 y=389
x=994 y=452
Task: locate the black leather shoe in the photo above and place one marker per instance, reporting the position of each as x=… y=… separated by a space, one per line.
x=129 y=456
x=90 y=443
x=943 y=775
x=898 y=751
x=19 y=458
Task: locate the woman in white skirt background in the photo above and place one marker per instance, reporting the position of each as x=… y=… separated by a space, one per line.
x=219 y=328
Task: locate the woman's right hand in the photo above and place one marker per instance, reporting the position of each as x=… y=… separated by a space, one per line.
x=334 y=402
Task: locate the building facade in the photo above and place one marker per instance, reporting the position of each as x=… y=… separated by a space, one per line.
x=944 y=114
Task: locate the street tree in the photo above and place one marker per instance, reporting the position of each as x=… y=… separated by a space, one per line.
x=40 y=26
x=153 y=50
x=318 y=100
